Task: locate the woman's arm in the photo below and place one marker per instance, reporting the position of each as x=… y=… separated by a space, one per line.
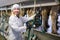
x=25 y=19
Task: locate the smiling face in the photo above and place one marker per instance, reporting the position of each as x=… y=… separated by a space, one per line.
x=16 y=11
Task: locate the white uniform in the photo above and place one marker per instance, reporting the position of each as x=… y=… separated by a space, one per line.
x=16 y=27
x=49 y=30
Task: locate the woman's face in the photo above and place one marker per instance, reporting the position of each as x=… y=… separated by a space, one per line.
x=16 y=11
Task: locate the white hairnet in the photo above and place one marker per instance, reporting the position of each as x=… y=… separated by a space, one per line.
x=15 y=6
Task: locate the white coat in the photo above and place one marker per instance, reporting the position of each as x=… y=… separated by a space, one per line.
x=16 y=27
x=49 y=30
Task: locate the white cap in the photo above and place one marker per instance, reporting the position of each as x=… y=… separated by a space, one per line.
x=15 y=6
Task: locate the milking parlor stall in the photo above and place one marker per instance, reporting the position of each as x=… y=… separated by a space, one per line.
x=48 y=12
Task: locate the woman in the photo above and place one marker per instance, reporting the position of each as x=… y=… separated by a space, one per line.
x=16 y=24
